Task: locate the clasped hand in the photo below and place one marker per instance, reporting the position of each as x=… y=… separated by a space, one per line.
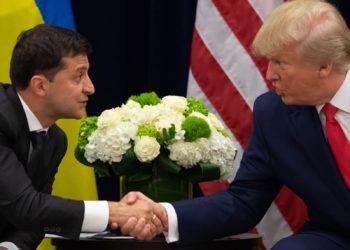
x=138 y=216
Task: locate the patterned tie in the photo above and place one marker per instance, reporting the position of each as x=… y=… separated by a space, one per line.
x=338 y=142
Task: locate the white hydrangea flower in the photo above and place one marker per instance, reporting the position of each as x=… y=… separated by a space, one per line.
x=186 y=154
x=222 y=153
x=109 y=144
x=146 y=148
x=131 y=111
x=180 y=135
x=161 y=116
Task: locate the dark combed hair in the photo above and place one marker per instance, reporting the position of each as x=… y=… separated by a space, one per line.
x=40 y=51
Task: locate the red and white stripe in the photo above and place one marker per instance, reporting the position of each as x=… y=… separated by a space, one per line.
x=227 y=77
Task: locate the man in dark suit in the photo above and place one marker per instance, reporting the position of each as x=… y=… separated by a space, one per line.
x=295 y=141
x=50 y=81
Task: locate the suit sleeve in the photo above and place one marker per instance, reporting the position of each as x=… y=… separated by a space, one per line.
x=27 y=240
x=24 y=240
x=240 y=207
x=27 y=209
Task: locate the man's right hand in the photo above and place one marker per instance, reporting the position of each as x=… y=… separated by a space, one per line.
x=138 y=216
x=136 y=227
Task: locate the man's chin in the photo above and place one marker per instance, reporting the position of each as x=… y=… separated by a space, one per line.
x=287 y=101
x=76 y=116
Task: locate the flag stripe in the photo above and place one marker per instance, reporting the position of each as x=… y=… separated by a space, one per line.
x=229 y=53
x=240 y=18
x=273 y=226
x=224 y=96
x=264 y=8
x=287 y=201
x=57 y=13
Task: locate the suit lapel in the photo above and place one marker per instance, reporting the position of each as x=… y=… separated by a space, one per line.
x=19 y=120
x=310 y=136
x=38 y=169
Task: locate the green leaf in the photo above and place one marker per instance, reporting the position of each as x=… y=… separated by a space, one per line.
x=141 y=175
x=202 y=172
x=79 y=155
x=102 y=170
x=128 y=163
x=169 y=165
x=168 y=134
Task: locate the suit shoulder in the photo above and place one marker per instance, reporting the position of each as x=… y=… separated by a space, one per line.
x=7 y=113
x=269 y=97
x=269 y=101
x=3 y=94
x=59 y=134
x=271 y=106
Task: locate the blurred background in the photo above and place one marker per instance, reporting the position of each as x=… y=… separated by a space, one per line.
x=139 y=45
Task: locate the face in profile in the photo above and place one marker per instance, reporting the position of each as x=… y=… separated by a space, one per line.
x=67 y=93
x=296 y=81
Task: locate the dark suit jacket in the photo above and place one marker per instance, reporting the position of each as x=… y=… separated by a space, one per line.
x=27 y=211
x=287 y=147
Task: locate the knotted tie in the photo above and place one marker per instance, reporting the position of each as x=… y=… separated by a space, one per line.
x=338 y=142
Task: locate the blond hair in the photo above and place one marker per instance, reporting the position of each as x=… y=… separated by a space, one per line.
x=315 y=27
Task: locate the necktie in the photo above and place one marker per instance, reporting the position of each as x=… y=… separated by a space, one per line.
x=338 y=142
x=38 y=145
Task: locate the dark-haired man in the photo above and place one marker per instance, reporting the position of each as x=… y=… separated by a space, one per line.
x=50 y=81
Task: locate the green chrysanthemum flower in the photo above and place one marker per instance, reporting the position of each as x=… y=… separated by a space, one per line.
x=151 y=131
x=148 y=98
x=88 y=125
x=195 y=128
x=194 y=105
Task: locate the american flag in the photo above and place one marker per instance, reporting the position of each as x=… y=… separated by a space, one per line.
x=228 y=78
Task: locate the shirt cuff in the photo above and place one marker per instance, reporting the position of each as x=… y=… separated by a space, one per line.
x=9 y=245
x=173 y=230
x=95 y=216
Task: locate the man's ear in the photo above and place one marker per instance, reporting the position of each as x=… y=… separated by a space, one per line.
x=325 y=70
x=38 y=84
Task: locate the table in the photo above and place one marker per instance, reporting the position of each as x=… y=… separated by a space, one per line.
x=238 y=242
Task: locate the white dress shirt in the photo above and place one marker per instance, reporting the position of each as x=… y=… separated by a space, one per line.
x=341 y=100
x=96 y=213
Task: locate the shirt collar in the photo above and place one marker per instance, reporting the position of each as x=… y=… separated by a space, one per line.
x=341 y=99
x=33 y=122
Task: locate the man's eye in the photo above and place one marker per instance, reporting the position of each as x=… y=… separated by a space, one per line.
x=80 y=75
x=275 y=61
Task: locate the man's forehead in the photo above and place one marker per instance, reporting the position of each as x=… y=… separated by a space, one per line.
x=80 y=61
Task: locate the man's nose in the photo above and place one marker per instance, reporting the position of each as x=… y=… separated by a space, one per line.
x=89 y=88
x=271 y=72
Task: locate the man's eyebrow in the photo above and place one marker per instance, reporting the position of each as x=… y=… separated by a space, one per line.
x=82 y=67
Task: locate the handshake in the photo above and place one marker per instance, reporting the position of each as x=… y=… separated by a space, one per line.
x=138 y=216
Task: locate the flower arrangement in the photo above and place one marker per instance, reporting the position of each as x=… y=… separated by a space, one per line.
x=174 y=133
